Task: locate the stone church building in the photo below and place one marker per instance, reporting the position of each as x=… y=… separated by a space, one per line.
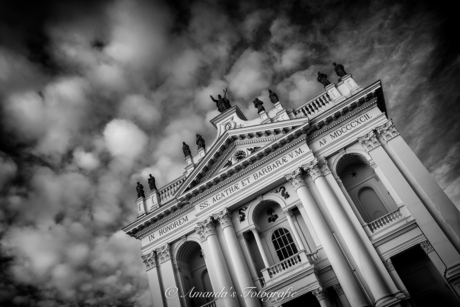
x=322 y=205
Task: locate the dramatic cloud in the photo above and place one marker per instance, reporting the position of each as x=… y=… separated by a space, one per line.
x=96 y=96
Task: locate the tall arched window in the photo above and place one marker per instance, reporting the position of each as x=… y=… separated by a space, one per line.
x=283 y=243
x=373 y=206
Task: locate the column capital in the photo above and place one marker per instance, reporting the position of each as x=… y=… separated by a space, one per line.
x=372 y=164
x=388 y=131
x=149 y=260
x=224 y=217
x=319 y=293
x=205 y=229
x=369 y=141
x=313 y=169
x=295 y=178
x=324 y=166
x=338 y=289
x=287 y=211
x=388 y=265
x=164 y=253
x=427 y=247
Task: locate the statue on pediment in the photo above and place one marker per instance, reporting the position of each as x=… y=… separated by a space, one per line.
x=259 y=105
x=322 y=78
x=200 y=142
x=222 y=103
x=339 y=70
x=140 y=190
x=273 y=97
x=151 y=182
x=186 y=150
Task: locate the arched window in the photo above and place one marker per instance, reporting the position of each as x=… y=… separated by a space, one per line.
x=371 y=203
x=283 y=243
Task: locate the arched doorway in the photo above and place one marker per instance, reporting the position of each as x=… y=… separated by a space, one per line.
x=367 y=192
x=193 y=273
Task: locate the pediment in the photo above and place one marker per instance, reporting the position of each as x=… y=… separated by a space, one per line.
x=236 y=146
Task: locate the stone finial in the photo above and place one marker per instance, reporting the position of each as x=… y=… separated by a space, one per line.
x=140 y=190
x=322 y=78
x=186 y=150
x=339 y=70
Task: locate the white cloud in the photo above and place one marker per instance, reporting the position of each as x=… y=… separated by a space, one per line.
x=124 y=139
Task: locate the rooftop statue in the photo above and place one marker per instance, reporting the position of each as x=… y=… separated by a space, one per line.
x=222 y=103
x=259 y=105
x=200 y=142
x=273 y=97
x=151 y=182
x=140 y=190
x=186 y=150
x=339 y=70
x=322 y=78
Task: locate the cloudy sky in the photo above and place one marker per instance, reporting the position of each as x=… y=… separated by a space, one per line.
x=95 y=95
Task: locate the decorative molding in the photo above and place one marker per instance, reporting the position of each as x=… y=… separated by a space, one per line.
x=224 y=217
x=388 y=131
x=295 y=178
x=319 y=293
x=313 y=169
x=389 y=265
x=338 y=289
x=427 y=247
x=324 y=167
x=164 y=253
x=205 y=229
x=369 y=141
x=149 y=260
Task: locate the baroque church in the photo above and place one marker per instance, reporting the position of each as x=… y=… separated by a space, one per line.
x=321 y=205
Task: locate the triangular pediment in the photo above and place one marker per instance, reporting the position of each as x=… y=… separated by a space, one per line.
x=236 y=146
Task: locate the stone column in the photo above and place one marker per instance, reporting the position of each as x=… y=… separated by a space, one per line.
x=314 y=236
x=343 y=299
x=424 y=185
x=294 y=230
x=363 y=259
x=154 y=280
x=321 y=296
x=432 y=230
x=395 y=276
x=261 y=248
x=331 y=248
x=168 y=276
x=239 y=263
x=249 y=261
x=207 y=232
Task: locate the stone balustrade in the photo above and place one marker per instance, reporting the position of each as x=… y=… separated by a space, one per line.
x=315 y=106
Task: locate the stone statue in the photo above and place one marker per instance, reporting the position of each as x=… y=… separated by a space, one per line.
x=140 y=190
x=200 y=142
x=339 y=70
x=186 y=150
x=322 y=78
x=222 y=103
x=273 y=97
x=259 y=105
x=151 y=182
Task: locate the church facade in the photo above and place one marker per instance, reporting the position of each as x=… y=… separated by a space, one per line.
x=323 y=205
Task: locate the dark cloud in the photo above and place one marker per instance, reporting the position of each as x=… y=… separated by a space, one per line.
x=95 y=95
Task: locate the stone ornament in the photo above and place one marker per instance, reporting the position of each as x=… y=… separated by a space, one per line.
x=241 y=214
x=151 y=182
x=149 y=260
x=295 y=178
x=164 y=253
x=427 y=247
x=273 y=96
x=339 y=70
x=372 y=164
x=319 y=293
x=224 y=217
x=205 y=229
x=200 y=142
x=222 y=103
x=388 y=131
x=338 y=289
x=369 y=141
x=259 y=105
x=140 y=190
x=324 y=167
x=313 y=169
x=389 y=265
x=282 y=191
x=186 y=150
x=322 y=78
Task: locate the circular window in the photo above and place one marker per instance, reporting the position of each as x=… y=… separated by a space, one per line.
x=240 y=155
